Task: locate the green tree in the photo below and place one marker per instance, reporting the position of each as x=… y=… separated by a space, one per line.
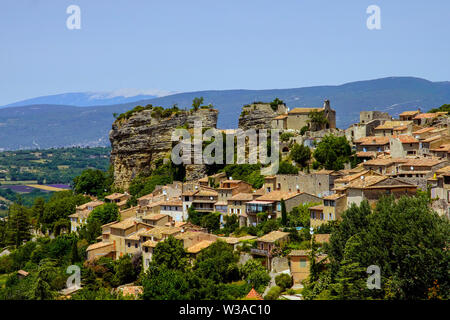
x=317 y=120
x=333 y=152
x=284 y=281
x=18 y=228
x=287 y=168
x=255 y=274
x=92 y=182
x=124 y=270
x=196 y=103
x=105 y=213
x=170 y=254
x=300 y=154
x=218 y=262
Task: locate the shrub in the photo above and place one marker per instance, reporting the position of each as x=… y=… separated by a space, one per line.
x=284 y=281
x=273 y=293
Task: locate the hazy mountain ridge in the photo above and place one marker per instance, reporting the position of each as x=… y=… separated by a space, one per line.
x=47 y=126
x=89 y=99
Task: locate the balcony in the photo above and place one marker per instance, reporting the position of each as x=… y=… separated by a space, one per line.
x=260 y=252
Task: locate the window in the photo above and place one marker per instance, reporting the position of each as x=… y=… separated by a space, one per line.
x=135 y=245
x=129 y=244
x=302 y=262
x=330 y=216
x=146 y=249
x=321 y=216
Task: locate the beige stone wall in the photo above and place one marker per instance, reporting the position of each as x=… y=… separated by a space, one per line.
x=299 y=273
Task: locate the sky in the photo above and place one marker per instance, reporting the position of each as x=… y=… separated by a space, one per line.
x=180 y=46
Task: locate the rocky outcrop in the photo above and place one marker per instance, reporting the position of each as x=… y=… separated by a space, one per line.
x=138 y=142
x=259 y=115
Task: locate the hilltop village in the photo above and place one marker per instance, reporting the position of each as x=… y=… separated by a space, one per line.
x=282 y=229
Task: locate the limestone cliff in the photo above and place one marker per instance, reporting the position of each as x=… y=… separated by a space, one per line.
x=140 y=140
x=259 y=115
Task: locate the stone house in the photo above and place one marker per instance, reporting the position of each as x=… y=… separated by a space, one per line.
x=299 y=117
x=174 y=209
x=299 y=264
x=404 y=146
x=204 y=199
x=270 y=203
x=371 y=188
x=331 y=209
x=82 y=212
x=120 y=199
x=393 y=127
x=408 y=115
x=266 y=245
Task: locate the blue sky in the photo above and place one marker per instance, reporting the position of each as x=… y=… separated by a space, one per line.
x=216 y=44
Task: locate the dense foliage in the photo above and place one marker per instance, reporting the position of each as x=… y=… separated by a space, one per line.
x=404 y=238
x=333 y=152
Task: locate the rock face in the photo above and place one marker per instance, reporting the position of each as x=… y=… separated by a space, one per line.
x=139 y=141
x=259 y=115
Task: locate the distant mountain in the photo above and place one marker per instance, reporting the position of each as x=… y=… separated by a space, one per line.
x=89 y=99
x=45 y=126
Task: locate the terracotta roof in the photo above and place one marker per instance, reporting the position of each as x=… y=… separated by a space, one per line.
x=273 y=236
x=324 y=171
x=160 y=231
x=146 y=197
x=433 y=138
x=253 y=294
x=443 y=170
x=234 y=240
x=150 y=244
x=423 y=130
x=154 y=216
x=115 y=196
x=276 y=195
x=125 y=224
x=173 y=202
x=425 y=116
x=372 y=141
x=199 y=246
x=136 y=235
x=93 y=204
x=379 y=162
x=366 y=182
x=99 y=245
x=442 y=148
x=351 y=177
x=367 y=154
x=409 y=113
x=318 y=207
x=391 y=124
x=401 y=128
x=304 y=110
x=206 y=193
x=422 y=162
x=280 y=117
x=241 y=197
x=334 y=196
x=407 y=139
